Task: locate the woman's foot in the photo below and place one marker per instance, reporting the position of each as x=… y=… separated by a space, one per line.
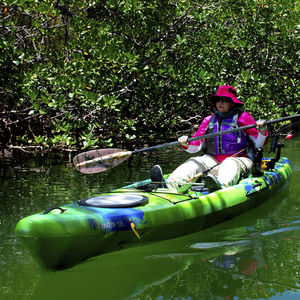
x=157 y=176
x=212 y=183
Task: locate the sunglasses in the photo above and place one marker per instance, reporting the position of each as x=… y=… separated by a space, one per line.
x=223 y=99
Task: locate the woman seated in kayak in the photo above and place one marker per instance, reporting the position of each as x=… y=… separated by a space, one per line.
x=230 y=153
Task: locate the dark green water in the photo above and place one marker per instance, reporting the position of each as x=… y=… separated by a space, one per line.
x=256 y=255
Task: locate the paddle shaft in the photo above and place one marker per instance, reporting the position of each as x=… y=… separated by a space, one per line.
x=214 y=134
x=96 y=161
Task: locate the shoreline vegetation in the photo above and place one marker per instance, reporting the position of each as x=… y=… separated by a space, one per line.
x=78 y=75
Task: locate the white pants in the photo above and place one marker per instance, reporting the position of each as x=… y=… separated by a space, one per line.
x=227 y=172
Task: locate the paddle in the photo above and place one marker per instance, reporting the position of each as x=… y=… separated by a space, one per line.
x=96 y=161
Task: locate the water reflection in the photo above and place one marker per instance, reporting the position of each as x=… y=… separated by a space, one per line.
x=183 y=268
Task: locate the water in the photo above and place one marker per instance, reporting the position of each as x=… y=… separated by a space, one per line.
x=255 y=255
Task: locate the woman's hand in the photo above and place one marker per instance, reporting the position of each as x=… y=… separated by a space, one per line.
x=183 y=140
x=260 y=125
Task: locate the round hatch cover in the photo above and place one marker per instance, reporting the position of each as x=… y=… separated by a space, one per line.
x=115 y=200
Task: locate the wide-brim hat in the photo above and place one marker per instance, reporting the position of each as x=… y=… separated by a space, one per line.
x=228 y=92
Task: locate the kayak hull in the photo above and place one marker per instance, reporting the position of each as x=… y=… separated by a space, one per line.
x=62 y=237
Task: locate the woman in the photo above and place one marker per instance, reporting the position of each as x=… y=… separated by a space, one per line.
x=228 y=154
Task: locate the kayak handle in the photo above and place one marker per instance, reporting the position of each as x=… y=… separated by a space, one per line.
x=52 y=208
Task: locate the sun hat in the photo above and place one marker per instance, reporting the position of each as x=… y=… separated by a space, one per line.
x=228 y=92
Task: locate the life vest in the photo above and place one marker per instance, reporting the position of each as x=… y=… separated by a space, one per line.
x=226 y=144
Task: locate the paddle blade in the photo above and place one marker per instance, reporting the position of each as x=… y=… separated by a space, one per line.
x=96 y=161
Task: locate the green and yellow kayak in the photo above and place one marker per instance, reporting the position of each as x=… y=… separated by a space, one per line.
x=63 y=236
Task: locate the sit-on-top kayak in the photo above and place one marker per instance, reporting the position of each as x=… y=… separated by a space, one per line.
x=63 y=236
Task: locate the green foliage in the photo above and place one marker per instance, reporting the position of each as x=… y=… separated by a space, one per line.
x=85 y=74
